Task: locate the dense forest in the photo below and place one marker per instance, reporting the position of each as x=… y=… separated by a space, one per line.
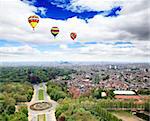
x=57 y=91
x=91 y=110
x=11 y=94
x=16 y=87
x=32 y=74
x=20 y=115
x=82 y=109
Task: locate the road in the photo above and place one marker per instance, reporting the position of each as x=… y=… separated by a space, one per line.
x=50 y=113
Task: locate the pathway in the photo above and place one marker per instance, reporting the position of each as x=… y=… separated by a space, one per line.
x=50 y=113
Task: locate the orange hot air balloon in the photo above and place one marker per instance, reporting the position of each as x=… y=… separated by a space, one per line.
x=73 y=35
x=33 y=21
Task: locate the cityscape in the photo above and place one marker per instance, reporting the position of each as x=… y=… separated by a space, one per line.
x=118 y=89
x=74 y=60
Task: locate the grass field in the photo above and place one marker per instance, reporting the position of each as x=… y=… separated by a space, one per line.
x=42 y=117
x=41 y=94
x=41 y=85
x=126 y=116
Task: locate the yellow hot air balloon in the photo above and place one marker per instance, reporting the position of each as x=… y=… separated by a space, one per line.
x=33 y=20
x=54 y=31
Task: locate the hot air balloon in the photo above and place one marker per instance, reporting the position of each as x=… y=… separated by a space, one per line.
x=73 y=35
x=33 y=20
x=54 y=31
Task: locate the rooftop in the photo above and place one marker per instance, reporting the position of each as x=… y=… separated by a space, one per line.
x=124 y=92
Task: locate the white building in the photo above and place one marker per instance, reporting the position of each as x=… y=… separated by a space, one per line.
x=116 y=92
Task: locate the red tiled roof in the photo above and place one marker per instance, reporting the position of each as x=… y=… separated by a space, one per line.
x=128 y=97
x=74 y=91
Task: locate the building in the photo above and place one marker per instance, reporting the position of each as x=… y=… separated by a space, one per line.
x=126 y=95
x=123 y=92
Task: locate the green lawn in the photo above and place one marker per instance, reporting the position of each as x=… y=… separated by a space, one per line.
x=127 y=113
x=42 y=117
x=41 y=94
x=125 y=116
x=41 y=85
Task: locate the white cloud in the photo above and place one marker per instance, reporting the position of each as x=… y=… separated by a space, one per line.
x=79 y=6
x=19 y=50
x=31 y=2
x=42 y=10
x=63 y=46
x=103 y=49
x=93 y=5
x=98 y=52
x=129 y=6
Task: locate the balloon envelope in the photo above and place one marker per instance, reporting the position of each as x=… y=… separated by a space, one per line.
x=73 y=35
x=54 y=31
x=33 y=21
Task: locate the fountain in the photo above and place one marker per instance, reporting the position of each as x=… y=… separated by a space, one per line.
x=40 y=106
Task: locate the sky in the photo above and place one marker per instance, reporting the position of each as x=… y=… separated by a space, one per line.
x=107 y=30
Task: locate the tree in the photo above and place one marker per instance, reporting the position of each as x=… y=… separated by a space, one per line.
x=4 y=117
x=96 y=79
x=18 y=116
x=10 y=109
x=8 y=101
x=20 y=98
x=96 y=93
x=110 y=94
x=24 y=110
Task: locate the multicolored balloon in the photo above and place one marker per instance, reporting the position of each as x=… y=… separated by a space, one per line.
x=33 y=21
x=54 y=31
x=73 y=35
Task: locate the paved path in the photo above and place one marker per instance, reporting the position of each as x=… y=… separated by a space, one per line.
x=50 y=113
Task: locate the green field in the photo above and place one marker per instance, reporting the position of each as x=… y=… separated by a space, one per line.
x=42 y=117
x=41 y=94
x=41 y=85
x=126 y=116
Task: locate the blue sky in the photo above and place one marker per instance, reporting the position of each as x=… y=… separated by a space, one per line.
x=108 y=30
x=56 y=9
